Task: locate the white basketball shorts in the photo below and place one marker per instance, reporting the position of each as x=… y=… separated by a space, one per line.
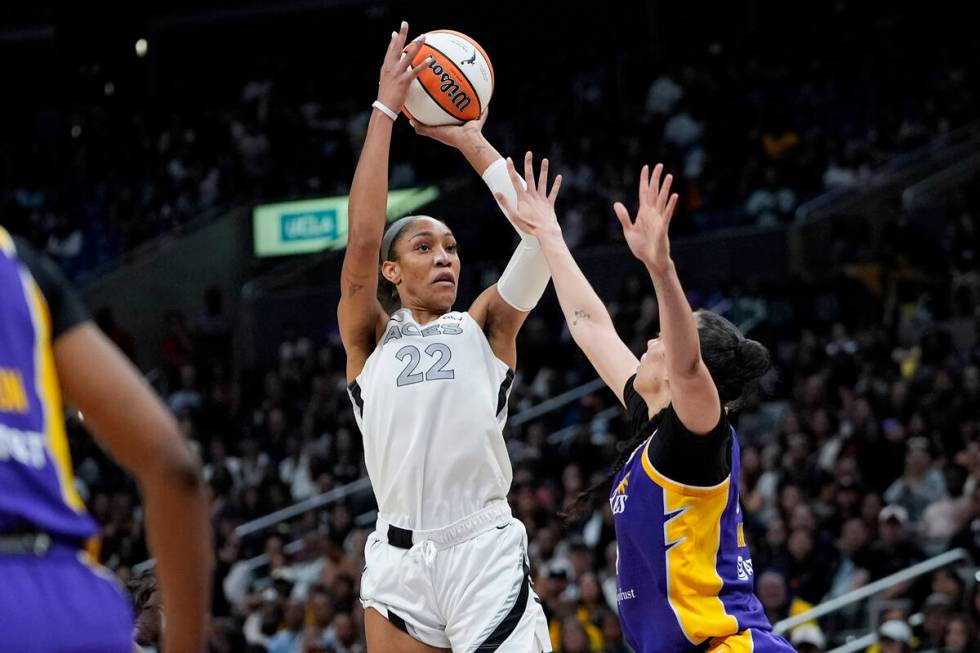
x=465 y=587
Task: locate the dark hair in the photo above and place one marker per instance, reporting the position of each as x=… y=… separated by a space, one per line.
x=387 y=292
x=735 y=363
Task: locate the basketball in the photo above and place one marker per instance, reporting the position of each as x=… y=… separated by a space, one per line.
x=456 y=86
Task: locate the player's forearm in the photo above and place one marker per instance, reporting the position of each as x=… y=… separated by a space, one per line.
x=678 y=330
x=582 y=307
x=478 y=151
x=369 y=190
x=179 y=536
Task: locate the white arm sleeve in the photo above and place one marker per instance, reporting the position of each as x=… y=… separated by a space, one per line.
x=524 y=280
x=498 y=181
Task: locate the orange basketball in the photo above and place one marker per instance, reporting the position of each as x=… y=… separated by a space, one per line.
x=457 y=84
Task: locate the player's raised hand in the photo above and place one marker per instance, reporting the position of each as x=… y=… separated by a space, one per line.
x=458 y=136
x=647 y=234
x=534 y=212
x=396 y=71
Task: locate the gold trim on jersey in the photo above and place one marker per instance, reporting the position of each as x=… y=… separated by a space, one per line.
x=740 y=643
x=49 y=392
x=7 y=243
x=692 y=536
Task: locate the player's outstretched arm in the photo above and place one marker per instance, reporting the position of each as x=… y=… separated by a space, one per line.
x=588 y=320
x=125 y=416
x=359 y=313
x=693 y=392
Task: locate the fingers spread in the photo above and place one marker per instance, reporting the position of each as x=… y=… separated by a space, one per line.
x=554 y=190
x=414 y=72
x=654 y=186
x=623 y=214
x=664 y=192
x=671 y=205
x=514 y=177
x=644 y=181
x=543 y=177
x=529 y=171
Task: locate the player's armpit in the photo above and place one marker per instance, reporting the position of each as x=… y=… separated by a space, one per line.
x=500 y=323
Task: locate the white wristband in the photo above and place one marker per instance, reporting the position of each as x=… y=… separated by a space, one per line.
x=379 y=105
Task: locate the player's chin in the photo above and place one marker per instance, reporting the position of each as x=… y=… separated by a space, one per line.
x=442 y=297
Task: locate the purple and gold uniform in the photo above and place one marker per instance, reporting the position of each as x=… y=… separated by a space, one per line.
x=54 y=598
x=685 y=577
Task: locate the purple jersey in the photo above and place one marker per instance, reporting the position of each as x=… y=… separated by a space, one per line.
x=684 y=571
x=36 y=480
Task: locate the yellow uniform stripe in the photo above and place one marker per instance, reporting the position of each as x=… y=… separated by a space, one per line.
x=740 y=643
x=6 y=243
x=50 y=393
x=692 y=533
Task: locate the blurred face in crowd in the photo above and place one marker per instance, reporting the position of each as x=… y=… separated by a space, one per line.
x=772 y=592
x=322 y=608
x=891 y=531
x=589 y=588
x=651 y=373
x=573 y=637
x=917 y=458
x=295 y=614
x=853 y=535
x=344 y=629
x=425 y=266
x=957 y=635
x=800 y=544
x=891 y=646
x=611 y=630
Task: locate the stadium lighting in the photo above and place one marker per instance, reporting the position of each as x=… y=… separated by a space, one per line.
x=141 y=47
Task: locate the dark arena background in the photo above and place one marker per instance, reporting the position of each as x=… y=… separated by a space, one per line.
x=827 y=158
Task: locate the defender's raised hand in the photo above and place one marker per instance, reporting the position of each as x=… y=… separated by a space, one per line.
x=534 y=212
x=647 y=234
x=396 y=71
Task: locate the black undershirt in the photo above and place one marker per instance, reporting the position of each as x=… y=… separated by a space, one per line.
x=676 y=452
x=64 y=305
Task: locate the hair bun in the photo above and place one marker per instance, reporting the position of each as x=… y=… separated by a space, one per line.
x=752 y=357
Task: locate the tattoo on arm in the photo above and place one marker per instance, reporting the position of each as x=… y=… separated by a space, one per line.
x=580 y=315
x=354 y=288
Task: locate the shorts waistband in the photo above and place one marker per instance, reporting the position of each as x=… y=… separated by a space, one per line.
x=448 y=536
x=37 y=544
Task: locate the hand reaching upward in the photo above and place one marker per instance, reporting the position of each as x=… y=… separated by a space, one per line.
x=396 y=71
x=647 y=234
x=534 y=212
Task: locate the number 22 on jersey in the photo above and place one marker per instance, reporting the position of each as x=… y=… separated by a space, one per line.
x=438 y=356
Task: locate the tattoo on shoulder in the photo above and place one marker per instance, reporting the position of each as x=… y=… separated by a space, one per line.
x=580 y=315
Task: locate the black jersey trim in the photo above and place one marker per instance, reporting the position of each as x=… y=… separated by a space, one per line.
x=504 y=389
x=355 y=394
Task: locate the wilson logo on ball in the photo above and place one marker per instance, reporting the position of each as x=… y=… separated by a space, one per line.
x=450 y=86
x=445 y=93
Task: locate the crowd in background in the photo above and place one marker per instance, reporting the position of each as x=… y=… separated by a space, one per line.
x=860 y=452
x=750 y=131
x=860 y=456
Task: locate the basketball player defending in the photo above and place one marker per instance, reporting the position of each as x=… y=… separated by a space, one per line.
x=446 y=567
x=54 y=598
x=684 y=571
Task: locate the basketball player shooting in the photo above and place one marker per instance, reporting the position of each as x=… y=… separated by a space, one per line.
x=446 y=567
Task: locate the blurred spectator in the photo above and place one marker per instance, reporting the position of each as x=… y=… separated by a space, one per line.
x=920 y=485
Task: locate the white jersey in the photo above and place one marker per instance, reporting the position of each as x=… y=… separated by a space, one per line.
x=431 y=403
